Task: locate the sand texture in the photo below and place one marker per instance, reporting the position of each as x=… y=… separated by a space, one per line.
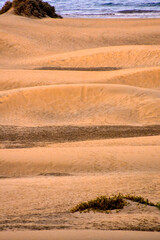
x=79 y=118
x=78 y=235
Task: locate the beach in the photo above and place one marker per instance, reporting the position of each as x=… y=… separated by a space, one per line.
x=79 y=118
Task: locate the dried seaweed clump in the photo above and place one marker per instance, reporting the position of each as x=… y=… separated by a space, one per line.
x=104 y=204
x=101 y=204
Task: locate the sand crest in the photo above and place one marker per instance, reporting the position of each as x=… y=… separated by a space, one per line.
x=80 y=104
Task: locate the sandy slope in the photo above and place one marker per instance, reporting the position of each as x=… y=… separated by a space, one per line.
x=138 y=77
x=78 y=72
x=43 y=203
x=103 y=156
x=20 y=40
x=80 y=104
x=116 y=57
x=118 y=101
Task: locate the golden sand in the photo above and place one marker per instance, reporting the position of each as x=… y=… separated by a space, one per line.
x=78 y=235
x=79 y=116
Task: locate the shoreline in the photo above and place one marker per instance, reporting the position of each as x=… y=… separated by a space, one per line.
x=111 y=18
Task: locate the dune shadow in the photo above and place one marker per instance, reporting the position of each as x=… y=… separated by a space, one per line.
x=55 y=174
x=79 y=69
x=27 y=137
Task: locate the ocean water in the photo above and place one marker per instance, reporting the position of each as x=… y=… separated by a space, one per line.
x=106 y=8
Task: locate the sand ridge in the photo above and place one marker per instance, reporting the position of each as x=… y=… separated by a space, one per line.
x=67 y=35
x=138 y=77
x=117 y=56
x=80 y=104
x=88 y=157
x=104 y=97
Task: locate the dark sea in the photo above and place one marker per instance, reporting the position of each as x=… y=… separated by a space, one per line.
x=106 y=8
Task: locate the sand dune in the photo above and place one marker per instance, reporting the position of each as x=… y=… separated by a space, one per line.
x=145 y=77
x=64 y=86
x=138 y=77
x=80 y=104
x=43 y=203
x=20 y=40
x=116 y=57
x=105 y=156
